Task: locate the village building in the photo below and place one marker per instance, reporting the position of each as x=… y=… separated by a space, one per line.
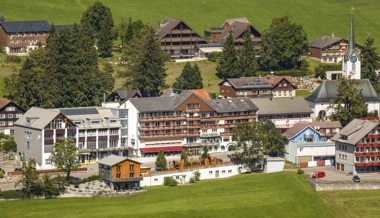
x=9 y=114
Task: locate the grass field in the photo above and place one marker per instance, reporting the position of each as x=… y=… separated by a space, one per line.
x=323 y=17
x=251 y=195
x=302 y=92
x=352 y=204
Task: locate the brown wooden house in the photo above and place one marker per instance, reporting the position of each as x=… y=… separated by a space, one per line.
x=121 y=173
x=23 y=36
x=177 y=38
x=9 y=114
x=282 y=86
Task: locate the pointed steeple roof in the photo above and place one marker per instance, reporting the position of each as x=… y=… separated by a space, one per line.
x=351 y=42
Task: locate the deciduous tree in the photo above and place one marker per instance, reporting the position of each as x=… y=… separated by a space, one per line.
x=349 y=103
x=282 y=45
x=65 y=156
x=30 y=183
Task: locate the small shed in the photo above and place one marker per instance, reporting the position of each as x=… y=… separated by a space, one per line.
x=274 y=164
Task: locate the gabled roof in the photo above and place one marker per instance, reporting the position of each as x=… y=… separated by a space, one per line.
x=296 y=129
x=202 y=93
x=285 y=105
x=248 y=83
x=274 y=80
x=355 y=131
x=25 y=26
x=328 y=91
x=42 y=117
x=233 y=20
x=112 y=160
x=4 y=102
x=167 y=25
x=326 y=124
x=325 y=41
x=237 y=29
x=232 y=105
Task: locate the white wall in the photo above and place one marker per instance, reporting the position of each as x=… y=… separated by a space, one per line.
x=133 y=117
x=272 y=166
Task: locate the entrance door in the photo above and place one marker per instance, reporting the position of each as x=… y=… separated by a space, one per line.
x=342 y=167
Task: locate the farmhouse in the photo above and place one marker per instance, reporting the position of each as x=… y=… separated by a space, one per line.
x=9 y=114
x=20 y=37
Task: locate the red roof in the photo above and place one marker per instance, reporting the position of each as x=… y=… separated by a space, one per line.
x=165 y=149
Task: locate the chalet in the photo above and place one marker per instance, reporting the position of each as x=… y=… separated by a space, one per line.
x=9 y=114
x=177 y=38
x=184 y=120
x=305 y=146
x=237 y=27
x=330 y=49
x=357 y=147
x=23 y=36
x=283 y=112
x=120 y=173
x=122 y=95
x=257 y=87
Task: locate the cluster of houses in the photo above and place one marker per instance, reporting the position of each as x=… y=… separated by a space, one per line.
x=177 y=38
x=129 y=125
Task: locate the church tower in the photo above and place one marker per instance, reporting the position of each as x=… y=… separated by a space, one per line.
x=351 y=63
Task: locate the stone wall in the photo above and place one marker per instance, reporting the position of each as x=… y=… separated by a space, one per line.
x=343 y=185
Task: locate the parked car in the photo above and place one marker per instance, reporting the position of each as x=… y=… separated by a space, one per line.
x=319 y=174
x=18 y=170
x=356 y=178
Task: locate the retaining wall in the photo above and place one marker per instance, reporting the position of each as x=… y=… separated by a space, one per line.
x=349 y=185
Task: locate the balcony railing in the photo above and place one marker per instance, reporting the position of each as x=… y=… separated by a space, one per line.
x=163 y=135
x=192 y=145
x=368 y=153
x=210 y=143
x=129 y=179
x=226 y=134
x=368 y=163
x=373 y=136
x=188 y=126
x=209 y=135
x=368 y=144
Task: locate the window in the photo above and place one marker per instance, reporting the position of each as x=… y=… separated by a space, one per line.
x=2 y=123
x=223 y=171
x=95 y=122
x=301 y=149
x=229 y=171
x=113 y=121
x=340 y=156
x=214 y=130
x=156 y=180
x=28 y=135
x=48 y=161
x=10 y=108
x=2 y=115
x=118 y=167
x=192 y=106
x=27 y=146
x=78 y=122
x=114 y=131
x=131 y=167
x=102 y=132
x=210 y=172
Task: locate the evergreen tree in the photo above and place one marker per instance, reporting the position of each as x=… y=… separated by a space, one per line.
x=161 y=163
x=100 y=18
x=247 y=63
x=349 y=103
x=282 y=45
x=190 y=78
x=185 y=157
x=227 y=66
x=129 y=32
x=370 y=61
x=146 y=64
x=121 y=30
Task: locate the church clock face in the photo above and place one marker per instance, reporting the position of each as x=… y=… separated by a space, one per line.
x=353 y=59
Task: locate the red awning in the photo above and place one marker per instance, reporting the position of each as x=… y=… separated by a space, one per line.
x=165 y=149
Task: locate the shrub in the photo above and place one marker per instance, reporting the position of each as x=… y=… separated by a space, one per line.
x=169 y=181
x=13 y=59
x=1 y=175
x=300 y=171
x=213 y=56
x=12 y=194
x=197 y=175
x=192 y=180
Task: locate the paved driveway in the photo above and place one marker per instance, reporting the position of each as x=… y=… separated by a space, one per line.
x=334 y=175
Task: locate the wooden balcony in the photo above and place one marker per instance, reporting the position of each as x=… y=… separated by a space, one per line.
x=226 y=134
x=373 y=136
x=49 y=141
x=230 y=117
x=367 y=164
x=173 y=135
x=168 y=127
x=161 y=118
x=367 y=145
x=193 y=118
x=128 y=179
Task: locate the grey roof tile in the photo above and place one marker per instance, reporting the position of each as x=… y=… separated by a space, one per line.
x=284 y=105
x=355 y=131
x=25 y=26
x=112 y=160
x=231 y=105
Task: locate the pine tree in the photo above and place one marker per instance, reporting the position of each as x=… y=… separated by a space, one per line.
x=197 y=78
x=227 y=66
x=247 y=63
x=161 y=163
x=370 y=61
x=190 y=78
x=129 y=32
x=146 y=64
x=100 y=18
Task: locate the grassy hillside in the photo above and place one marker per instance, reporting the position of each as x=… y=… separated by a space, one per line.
x=322 y=17
x=250 y=195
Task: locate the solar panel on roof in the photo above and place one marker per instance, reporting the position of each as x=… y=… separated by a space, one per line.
x=79 y=111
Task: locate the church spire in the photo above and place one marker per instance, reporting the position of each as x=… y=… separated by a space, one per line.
x=351 y=42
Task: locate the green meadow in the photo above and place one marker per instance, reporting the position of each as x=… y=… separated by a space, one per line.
x=283 y=194
x=322 y=17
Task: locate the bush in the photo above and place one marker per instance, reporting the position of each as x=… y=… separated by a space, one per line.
x=213 y=56
x=13 y=59
x=169 y=181
x=12 y=194
x=192 y=180
x=300 y=171
x=1 y=175
x=197 y=175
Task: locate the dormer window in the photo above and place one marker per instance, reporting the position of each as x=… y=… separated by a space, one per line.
x=343 y=137
x=28 y=122
x=78 y=122
x=95 y=122
x=113 y=121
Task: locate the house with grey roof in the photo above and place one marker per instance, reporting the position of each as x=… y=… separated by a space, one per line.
x=97 y=132
x=23 y=36
x=177 y=38
x=184 y=120
x=306 y=146
x=283 y=112
x=357 y=147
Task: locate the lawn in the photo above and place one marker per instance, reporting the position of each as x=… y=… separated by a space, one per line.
x=319 y=18
x=302 y=92
x=352 y=204
x=283 y=194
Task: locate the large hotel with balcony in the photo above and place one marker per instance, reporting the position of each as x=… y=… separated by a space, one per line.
x=184 y=120
x=357 y=147
x=97 y=132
